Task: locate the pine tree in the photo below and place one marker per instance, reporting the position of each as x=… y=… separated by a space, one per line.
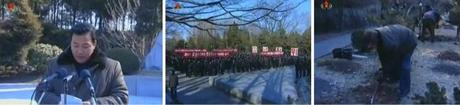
x=21 y=32
x=233 y=37
x=454 y=16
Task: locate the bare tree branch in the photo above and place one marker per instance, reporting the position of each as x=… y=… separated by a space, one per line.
x=217 y=12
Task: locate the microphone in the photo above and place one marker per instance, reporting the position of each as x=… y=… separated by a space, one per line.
x=68 y=77
x=66 y=85
x=57 y=74
x=86 y=75
x=62 y=73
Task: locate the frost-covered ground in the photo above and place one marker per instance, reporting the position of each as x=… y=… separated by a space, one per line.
x=343 y=81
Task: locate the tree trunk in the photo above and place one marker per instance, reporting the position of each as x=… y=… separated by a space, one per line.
x=148 y=44
x=142 y=49
x=131 y=23
x=3 y=10
x=74 y=14
x=458 y=29
x=90 y=20
x=123 y=23
x=95 y=20
x=116 y=24
x=55 y=11
x=100 y=23
x=36 y=9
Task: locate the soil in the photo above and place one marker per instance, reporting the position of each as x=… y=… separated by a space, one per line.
x=438 y=62
x=449 y=69
x=449 y=55
x=340 y=65
x=383 y=93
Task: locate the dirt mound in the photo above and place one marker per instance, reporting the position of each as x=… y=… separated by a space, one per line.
x=340 y=65
x=447 y=68
x=385 y=94
x=442 y=38
x=449 y=55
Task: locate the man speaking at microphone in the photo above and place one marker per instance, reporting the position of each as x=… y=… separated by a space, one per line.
x=84 y=55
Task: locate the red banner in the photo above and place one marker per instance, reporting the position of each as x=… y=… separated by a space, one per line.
x=203 y=53
x=189 y=50
x=225 y=50
x=273 y=53
x=206 y=54
x=279 y=49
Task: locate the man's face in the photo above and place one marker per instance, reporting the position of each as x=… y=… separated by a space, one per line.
x=371 y=46
x=82 y=47
x=371 y=40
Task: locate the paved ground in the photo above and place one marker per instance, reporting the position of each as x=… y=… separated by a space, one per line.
x=324 y=43
x=197 y=90
x=148 y=84
x=325 y=47
x=202 y=90
x=272 y=86
x=304 y=90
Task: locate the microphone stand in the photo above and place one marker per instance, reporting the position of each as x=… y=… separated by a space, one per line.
x=92 y=92
x=65 y=91
x=93 y=99
x=66 y=87
x=45 y=89
x=87 y=75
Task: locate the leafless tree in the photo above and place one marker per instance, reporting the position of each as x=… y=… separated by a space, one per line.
x=225 y=12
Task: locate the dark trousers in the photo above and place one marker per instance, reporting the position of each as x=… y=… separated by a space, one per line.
x=404 y=83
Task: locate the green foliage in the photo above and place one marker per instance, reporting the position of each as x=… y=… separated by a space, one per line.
x=233 y=37
x=389 y=17
x=40 y=54
x=36 y=4
x=150 y=17
x=264 y=38
x=238 y=38
x=201 y=41
x=174 y=43
x=305 y=42
x=347 y=3
x=19 y=34
x=243 y=39
x=9 y=70
x=434 y=95
x=55 y=36
x=130 y=64
x=454 y=16
x=457 y=95
x=345 y=15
